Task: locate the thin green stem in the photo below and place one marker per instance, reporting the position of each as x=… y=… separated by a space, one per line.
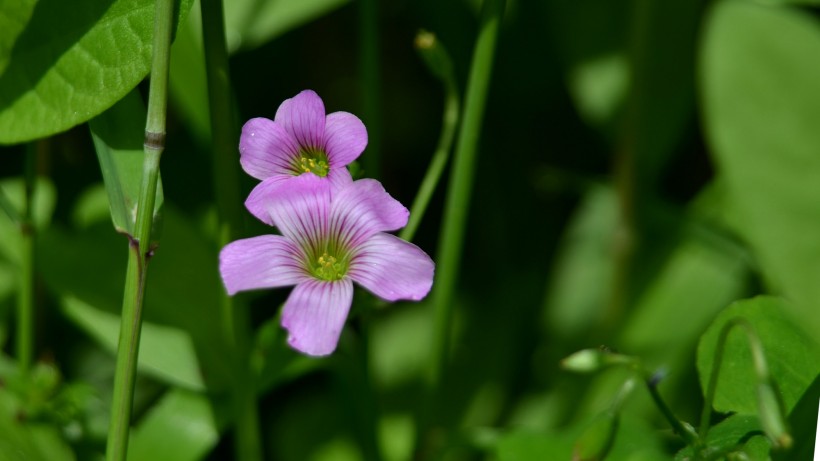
x=684 y=430
x=460 y=185
x=458 y=197
x=441 y=67
x=140 y=243
x=25 y=296
x=237 y=330
x=371 y=88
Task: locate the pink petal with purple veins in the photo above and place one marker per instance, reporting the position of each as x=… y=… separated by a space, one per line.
x=392 y=269
x=258 y=199
x=364 y=208
x=266 y=261
x=345 y=138
x=303 y=116
x=266 y=149
x=299 y=208
x=315 y=313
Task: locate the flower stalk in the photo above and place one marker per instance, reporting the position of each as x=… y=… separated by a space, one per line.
x=140 y=243
x=226 y=186
x=439 y=63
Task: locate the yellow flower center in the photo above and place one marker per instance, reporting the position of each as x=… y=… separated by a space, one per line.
x=312 y=161
x=327 y=267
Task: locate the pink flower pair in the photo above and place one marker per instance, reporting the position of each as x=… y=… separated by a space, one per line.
x=333 y=229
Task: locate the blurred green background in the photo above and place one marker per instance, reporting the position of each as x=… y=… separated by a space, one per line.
x=642 y=164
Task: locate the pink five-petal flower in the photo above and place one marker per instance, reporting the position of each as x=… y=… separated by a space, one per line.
x=331 y=237
x=300 y=139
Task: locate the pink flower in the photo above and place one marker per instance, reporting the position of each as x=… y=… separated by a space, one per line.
x=329 y=240
x=300 y=139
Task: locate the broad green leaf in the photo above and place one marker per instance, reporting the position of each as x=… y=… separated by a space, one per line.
x=180 y=427
x=14 y=14
x=118 y=135
x=760 y=103
x=166 y=353
x=20 y=440
x=72 y=61
x=737 y=433
x=793 y=356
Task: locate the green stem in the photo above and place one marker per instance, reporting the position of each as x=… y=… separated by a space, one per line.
x=25 y=298
x=371 y=89
x=140 y=243
x=428 y=44
x=458 y=194
x=226 y=186
x=684 y=430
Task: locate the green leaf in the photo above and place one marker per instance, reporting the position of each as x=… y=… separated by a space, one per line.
x=793 y=356
x=72 y=61
x=118 y=135
x=21 y=440
x=737 y=433
x=760 y=103
x=166 y=353
x=180 y=427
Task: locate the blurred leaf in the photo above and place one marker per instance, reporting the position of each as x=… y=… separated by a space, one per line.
x=118 y=135
x=730 y=435
x=793 y=356
x=394 y=363
x=696 y=282
x=759 y=79
x=70 y=62
x=44 y=198
x=180 y=427
x=635 y=440
x=21 y=440
x=661 y=100
x=165 y=352
x=250 y=23
x=91 y=207
x=528 y=446
x=582 y=275
x=187 y=80
x=599 y=86
x=90 y=266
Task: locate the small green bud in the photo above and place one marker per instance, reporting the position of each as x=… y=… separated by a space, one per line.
x=771 y=416
x=589 y=360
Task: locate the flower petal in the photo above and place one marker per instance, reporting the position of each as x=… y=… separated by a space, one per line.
x=258 y=199
x=363 y=208
x=392 y=269
x=303 y=116
x=266 y=149
x=299 y=207
x=345 y=138
x=339 y=177
x=315 y=313
x=266 y=261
